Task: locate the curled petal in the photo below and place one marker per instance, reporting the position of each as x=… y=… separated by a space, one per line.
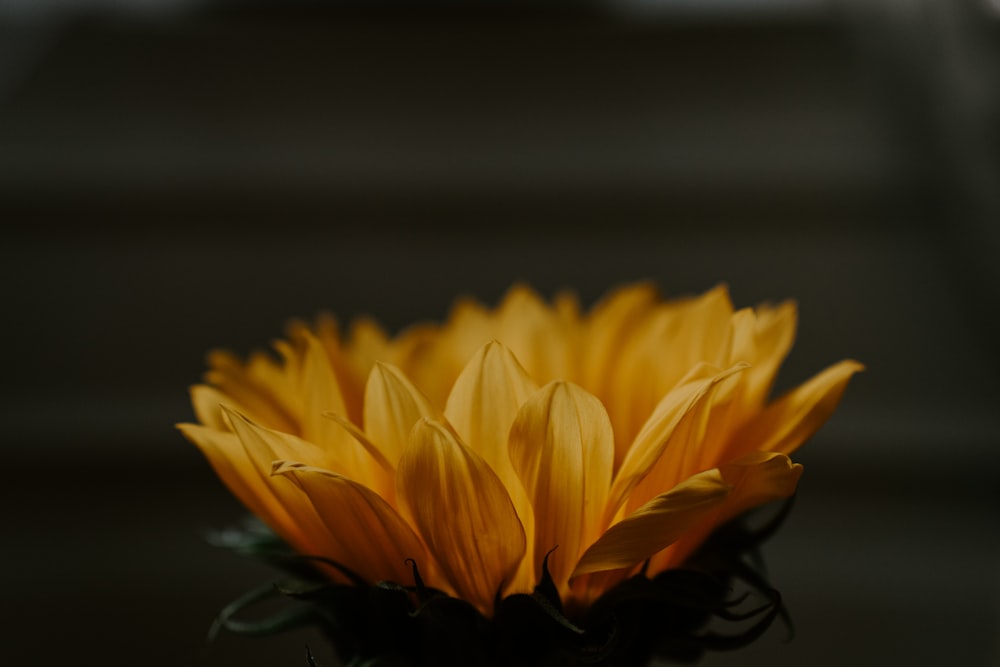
x=657 y=432
x=234 y=467
x=694 y=445
x=655 y=525
x=755 y=479
x=758 y=478
x=281 y=506
x=463 y=512
x=673 y=338
x=373 y=539
x=264 y=446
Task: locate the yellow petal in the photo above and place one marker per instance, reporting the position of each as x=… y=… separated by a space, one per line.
x=761 y=338
x=701 y=328
x=774 y=333
x=463 y=512
x=345 y=365
x=266 y=372
x=694 y=443
x=231 y=378
x=484 y=401
x=392 y=406
x=234 y=467
x=655 y=525
x=381 y=475
x=206 y=401
x=366 y=343
x=656 y=433
x=791 y=420
x=320 y=392
x=427 y=360
x=265 y=446
x=469 y=327
x=373 y=540
x=756 y=479
x=481 y=408
x=655 y=356
x=562 y=447
x=534 y=333
x=610 y=322
x=370 y=447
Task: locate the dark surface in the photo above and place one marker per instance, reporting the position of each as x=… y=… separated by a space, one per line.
x=172 y=185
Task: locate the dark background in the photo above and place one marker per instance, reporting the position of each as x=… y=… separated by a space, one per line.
x=179 y=176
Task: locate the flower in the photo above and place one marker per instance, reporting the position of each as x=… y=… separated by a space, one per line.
x=506 y=442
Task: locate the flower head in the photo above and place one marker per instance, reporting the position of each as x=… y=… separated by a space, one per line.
x=596 y=443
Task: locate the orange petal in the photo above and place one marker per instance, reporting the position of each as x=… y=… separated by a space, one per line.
x=481 y=408
x=562 y=447
x=469 y=327
x=392 y=406
x=425 y=358
x=655 y=525
x=319 y=393
x=791 y=420
x=374 y=540
x=264 y=446
x=463 y=512
x=701 y=328
x=352 y=383
x=232 y=378
x=380 y=475
x=370 y=447
x=659 y=352
x=774 y=333
x=206 y=401
x=483 y=402
x=526 y=324
x=656 y=433
x=756 y=479
x=694 y=445
x=608 y=323
x=236 y=470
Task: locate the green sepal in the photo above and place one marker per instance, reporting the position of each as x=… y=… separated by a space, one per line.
x=280 y=621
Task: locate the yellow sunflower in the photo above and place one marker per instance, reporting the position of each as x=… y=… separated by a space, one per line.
x=610 y=440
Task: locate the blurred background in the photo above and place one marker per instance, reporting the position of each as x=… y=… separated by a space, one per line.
x=180 y=175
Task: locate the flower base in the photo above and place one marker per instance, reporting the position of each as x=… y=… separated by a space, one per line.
x=670 y=616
